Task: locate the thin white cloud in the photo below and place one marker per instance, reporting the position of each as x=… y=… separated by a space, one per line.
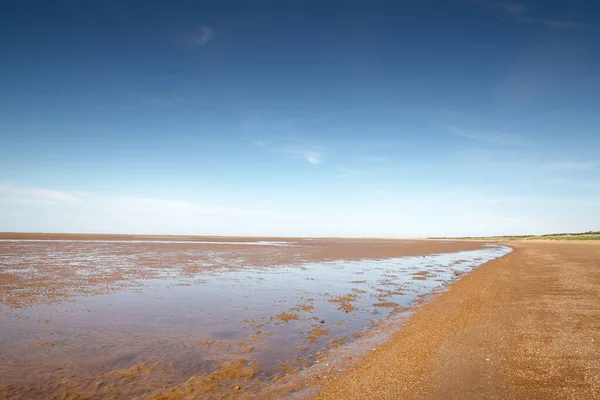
x=390 y=213
x=516 y=13
x=32 y=209
x=569 y=166
x=313 y=157
x=203 y=36
x=27 y=195
x=557 y=24
x=493 y=137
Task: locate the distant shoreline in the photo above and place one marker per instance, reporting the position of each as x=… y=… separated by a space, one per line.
x=591 y=235
x=125 y=236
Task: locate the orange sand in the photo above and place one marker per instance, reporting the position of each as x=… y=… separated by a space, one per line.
x=521 y=327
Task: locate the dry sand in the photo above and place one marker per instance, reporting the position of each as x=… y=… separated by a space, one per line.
x=523 y=326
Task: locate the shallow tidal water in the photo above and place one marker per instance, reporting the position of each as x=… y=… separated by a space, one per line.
x=141 y=318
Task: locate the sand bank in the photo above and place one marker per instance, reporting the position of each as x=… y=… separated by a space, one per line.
x=524 y=326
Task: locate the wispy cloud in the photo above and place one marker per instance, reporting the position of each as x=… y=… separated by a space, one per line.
x=27 y=195
x=313 y=157
x=465 y=211
x=493 y=137
x=570 y=166
x=557 y=24
x=516 y=13
x=32 y=209
x=203 y=36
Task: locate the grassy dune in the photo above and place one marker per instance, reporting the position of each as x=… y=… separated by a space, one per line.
x=551 y=236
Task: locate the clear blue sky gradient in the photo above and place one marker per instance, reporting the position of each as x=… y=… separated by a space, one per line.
x=301 y=118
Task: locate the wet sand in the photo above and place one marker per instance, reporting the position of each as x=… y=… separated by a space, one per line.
x=523 y=326
x=159 y=253
x=178 y=317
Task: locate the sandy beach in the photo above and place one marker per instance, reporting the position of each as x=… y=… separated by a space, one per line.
x=524 y=326
x=212 y=317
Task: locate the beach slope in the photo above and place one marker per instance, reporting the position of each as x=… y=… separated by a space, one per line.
x=523 y=326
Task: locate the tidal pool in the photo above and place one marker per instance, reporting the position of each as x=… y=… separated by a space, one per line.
x=105 y=319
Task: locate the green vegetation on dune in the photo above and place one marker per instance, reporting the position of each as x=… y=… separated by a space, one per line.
x=551 y=236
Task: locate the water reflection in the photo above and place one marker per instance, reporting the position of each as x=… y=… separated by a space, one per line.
x=175 y=326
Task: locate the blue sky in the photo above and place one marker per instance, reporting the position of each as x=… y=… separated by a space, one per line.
x=393 y=119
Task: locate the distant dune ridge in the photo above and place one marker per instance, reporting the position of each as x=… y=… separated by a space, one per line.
x=590 y=235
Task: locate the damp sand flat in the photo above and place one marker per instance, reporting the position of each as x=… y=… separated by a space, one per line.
x=128 y=317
